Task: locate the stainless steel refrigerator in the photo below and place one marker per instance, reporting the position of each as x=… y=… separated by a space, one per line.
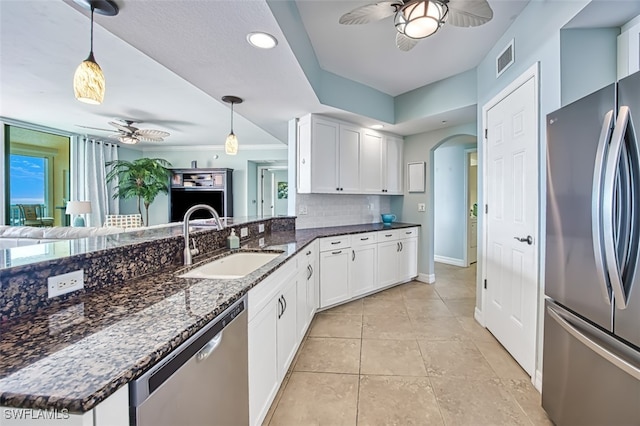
x=591 y=362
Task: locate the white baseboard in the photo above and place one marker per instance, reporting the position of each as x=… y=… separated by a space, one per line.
x=477 y=314
x=427 y=278
x=537 y=380
x=449 y=260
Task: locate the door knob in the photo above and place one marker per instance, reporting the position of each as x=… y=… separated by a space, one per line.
x=528 y=239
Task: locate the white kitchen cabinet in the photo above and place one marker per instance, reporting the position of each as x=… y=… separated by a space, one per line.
x=397 y=256
x=272 y=337
x=338 y=157
x=335 y=259
x=328 y=156
x=363 y=272
x=263 y=362
x=372 y=162
x=287 y=331
x=392 y=164
x=307 y=284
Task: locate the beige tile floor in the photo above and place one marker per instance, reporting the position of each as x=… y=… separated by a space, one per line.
x=410 y=355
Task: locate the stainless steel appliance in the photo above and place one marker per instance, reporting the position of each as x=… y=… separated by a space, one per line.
x=203 y=382
x=591 y=363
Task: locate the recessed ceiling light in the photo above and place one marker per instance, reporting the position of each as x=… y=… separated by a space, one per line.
x=262 y=40
x=377 y=126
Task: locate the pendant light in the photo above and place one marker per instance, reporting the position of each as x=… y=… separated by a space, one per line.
x=419 y=19
x=231 y=144
x=88 y=80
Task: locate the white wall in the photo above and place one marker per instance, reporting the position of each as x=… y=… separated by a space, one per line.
x=240 y=163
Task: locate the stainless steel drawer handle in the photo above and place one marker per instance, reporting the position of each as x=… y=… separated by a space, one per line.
x=388 y=235
x=209 y=348
x=336 y=242
x=364 y=239
x=336 y=252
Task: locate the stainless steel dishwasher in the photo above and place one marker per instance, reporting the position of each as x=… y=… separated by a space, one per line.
x=202 y=382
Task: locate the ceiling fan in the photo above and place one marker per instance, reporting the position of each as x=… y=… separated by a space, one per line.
x=127 y=133
x=418 y=19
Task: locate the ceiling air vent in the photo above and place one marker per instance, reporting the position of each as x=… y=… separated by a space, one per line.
x=505 y=59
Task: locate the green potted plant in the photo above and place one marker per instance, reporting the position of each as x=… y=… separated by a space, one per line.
x=143 y=178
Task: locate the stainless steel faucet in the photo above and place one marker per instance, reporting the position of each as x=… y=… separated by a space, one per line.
x=188 y=252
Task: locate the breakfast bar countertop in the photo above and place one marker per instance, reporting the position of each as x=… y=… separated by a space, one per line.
x=76 y=353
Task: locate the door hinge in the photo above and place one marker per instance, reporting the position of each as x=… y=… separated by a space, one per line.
x=486 y=133
x=485 y=284
x=486 y=208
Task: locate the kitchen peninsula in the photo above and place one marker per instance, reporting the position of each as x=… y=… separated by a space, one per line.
x=78 y=353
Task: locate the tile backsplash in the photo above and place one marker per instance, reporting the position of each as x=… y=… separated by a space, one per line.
x=339 y=209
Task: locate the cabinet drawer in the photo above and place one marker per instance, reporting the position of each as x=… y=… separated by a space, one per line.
x=335 y=243
x=408 y=232
x=390 y=235
x=367 y=238
x=308 y=253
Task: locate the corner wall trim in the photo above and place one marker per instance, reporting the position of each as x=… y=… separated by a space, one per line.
x=449 y=260
x=477 y=314
x=427 y=278
x=537 y=380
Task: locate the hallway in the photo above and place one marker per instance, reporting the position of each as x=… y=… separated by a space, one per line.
x=410 y=355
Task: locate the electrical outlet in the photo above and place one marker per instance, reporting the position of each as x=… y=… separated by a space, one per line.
x=303 y=209
x=422 y=207
x=261 y=242
x=65 y=283
x=261 y=228
x=244 y=232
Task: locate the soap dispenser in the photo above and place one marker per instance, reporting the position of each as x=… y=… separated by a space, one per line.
x=233 y=242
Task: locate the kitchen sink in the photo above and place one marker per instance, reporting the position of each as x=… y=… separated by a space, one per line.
x=236 y=265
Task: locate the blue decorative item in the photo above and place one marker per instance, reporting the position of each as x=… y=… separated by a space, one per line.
x=387 y=218
x=78 y=222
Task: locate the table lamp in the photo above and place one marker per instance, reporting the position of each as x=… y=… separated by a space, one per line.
x=78 y=208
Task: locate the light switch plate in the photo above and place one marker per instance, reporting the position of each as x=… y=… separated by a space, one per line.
x=422 y=207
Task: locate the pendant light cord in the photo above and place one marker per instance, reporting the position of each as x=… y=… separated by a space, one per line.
x=231 y=117
x=92 y=8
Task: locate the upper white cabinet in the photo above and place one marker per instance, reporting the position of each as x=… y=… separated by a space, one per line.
x=341 y=158
x=629 y=48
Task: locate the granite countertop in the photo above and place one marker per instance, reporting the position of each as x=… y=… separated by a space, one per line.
x=74 y=354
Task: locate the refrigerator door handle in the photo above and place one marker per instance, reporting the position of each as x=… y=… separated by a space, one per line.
x=564 y=321
x=596 y=204
x=613 y=159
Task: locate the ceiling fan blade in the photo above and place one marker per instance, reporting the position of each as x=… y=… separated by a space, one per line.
x=151 y=133
x=370 y=12
x=405 y=43
x=122 y=127
x=148 y=138
x=115 y=136
x=469 y=13
x=94 y=128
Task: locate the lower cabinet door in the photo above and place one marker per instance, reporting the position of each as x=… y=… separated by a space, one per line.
x=388 y=263
x=312 y=291
x=408 y=259
x=287 y=331
x=263 y=362
x=334 y=276
x=363 y=270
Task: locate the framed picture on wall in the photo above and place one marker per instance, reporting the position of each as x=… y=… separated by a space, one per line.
x=415 y=176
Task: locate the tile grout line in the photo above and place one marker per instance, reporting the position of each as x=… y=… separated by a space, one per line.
x=360 y=364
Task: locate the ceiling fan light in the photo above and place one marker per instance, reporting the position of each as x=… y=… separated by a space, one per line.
x=421 y=18
x=88 y=82
x=129 y=140
x=231 y=144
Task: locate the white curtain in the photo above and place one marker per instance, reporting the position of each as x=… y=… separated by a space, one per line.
x=90 y=174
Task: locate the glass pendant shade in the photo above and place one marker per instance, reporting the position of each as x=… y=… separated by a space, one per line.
x=88 y=82
x=231 y=144
x=421 y=18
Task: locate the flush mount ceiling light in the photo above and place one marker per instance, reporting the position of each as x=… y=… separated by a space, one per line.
x=88 y=80
x=262 y=40
x=231 y=144
x=418 y=19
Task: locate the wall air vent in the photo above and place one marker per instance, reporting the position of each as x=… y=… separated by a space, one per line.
x=505 y=59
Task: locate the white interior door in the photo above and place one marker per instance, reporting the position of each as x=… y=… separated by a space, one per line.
x=512 y=222
x=267 y=189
